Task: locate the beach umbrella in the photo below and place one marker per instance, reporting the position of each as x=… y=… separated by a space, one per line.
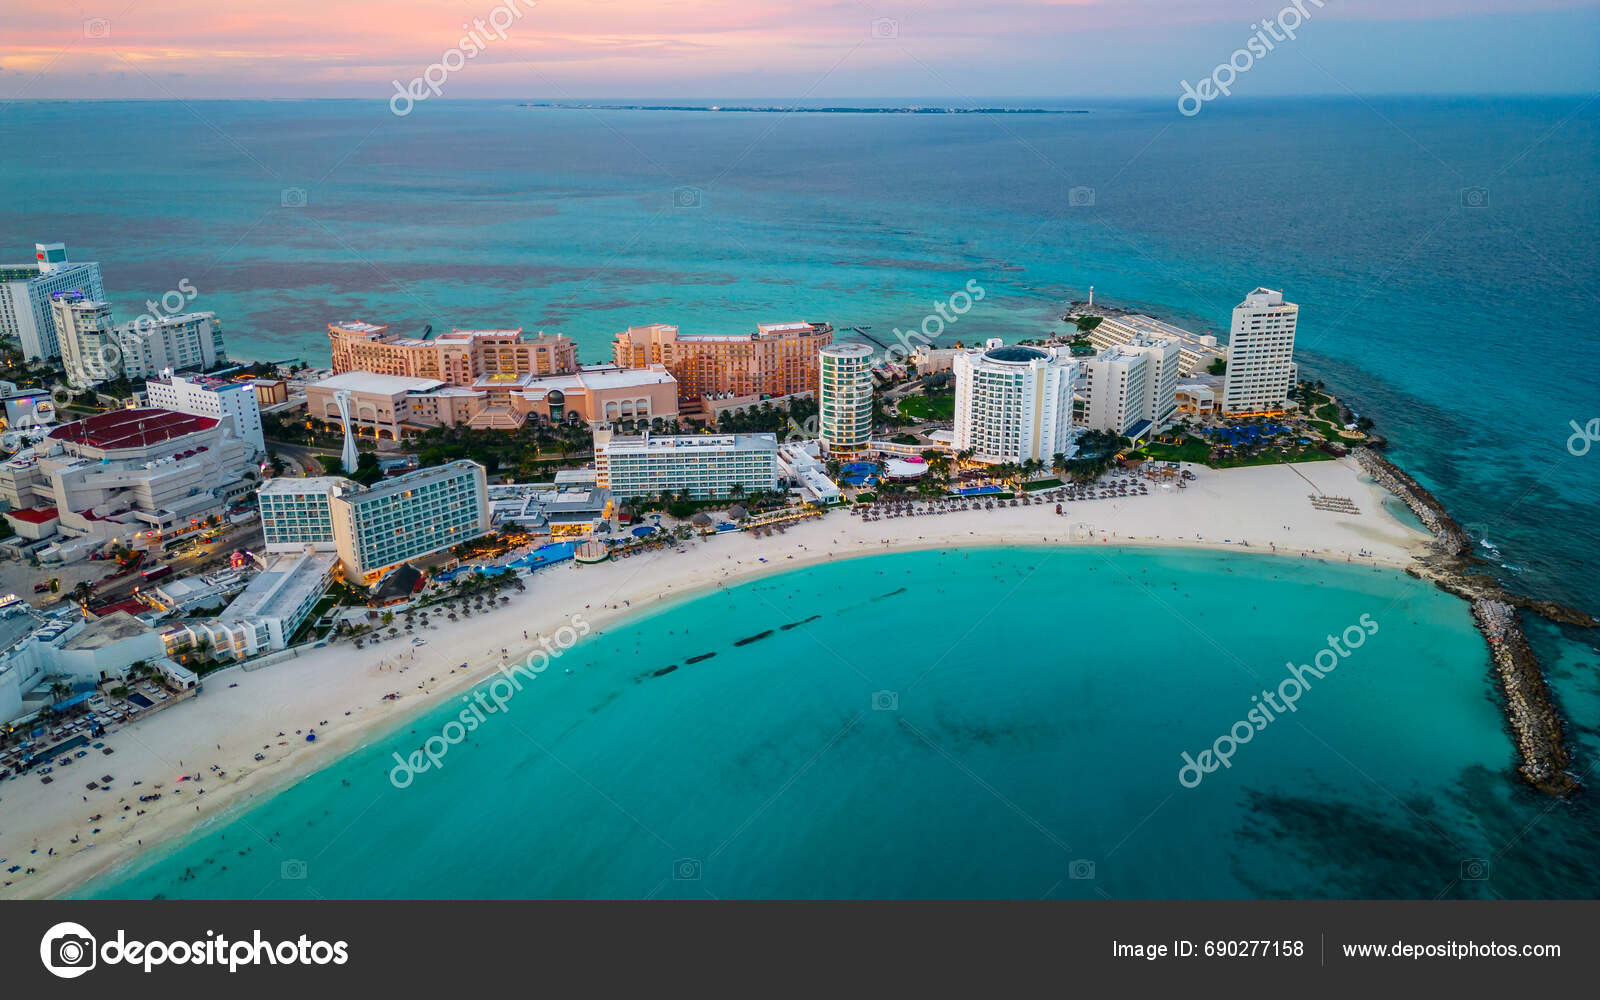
x=701 y=520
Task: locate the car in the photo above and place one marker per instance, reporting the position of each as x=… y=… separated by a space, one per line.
x=81 y=753
x=44 y=771
x=419 y=641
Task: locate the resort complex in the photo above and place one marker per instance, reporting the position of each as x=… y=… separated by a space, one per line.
x=375 y=528
x=1014 y=404
x=778 y=359
x=456 y=358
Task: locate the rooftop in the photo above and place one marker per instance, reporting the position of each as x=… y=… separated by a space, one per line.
x=1015 y=355
x=282 y=587
x=132 y=428
x=298 y=487
x=34 y=515
x=687 y=442
x=391 y=385
x=104 y=631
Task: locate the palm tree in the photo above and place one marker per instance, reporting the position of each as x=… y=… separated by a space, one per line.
x=60 y=690
x=83 y=592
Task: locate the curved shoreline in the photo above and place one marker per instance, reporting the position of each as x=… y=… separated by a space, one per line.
x=325 y=684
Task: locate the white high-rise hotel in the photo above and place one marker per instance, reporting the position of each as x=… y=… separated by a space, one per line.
x=844 y=404
x=1260 y=354
x=25 y=291
x=1014 y=403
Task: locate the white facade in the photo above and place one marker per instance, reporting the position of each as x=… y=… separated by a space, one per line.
x=25 y=292
x=153 y=344
x=211 y=397
x=1260 y=354
x=706 y=466
x=800 y=463
x=844 y=399
x=283 y=594
x=408 y=516
x=130 y=476
x=1196 y=351
x=1014 y=403
x=296 y=513
x=86 y=336
x=1115 y=387
x=1106 y=382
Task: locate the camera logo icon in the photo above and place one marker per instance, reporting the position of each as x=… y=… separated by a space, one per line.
x=292 y=198
x=68 y=950
x=96 y=27
x=686 y=869
x=1080 y=196
x=1475 y=197
x=886 y=701
x=293 y=869
x=1474 y=869
x=1081 y=868
x=885 y=27
x=686 y=197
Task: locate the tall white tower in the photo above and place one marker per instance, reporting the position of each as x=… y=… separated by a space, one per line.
x=342 y=398
x=1014 y=403
x=1260 y=354
x=844 y=404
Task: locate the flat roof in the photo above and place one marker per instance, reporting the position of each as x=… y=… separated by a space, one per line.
x=310 y=484
x=34 y=515
x=130 y=428
x=389 y=385
x=282 y=587
x=104 y=631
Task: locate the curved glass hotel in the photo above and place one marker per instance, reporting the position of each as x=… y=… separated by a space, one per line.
x=1014 y=403
x=845 y=401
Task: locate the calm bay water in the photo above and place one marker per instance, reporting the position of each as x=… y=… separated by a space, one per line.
x=966 y=723
x=1462 y=323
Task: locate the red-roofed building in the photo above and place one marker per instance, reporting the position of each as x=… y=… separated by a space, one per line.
x=120 y=430
x=33 y=522
x=134 y=477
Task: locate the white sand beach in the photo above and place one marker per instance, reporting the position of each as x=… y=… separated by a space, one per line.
x=339 y=691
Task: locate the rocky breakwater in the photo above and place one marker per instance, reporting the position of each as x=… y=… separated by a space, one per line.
x=1536 y=724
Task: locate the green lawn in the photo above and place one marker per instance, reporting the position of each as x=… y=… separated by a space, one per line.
x=940 y=407
x=1195 y=450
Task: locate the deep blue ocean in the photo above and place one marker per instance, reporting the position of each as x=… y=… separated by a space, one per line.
x=1442 y=252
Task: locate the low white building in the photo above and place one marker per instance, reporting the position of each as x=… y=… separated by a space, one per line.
x=1197 y=352
x=801 y=464
x=36 y=652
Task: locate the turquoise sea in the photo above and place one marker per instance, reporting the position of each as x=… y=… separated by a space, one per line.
x=1441 y=249
x=961 y=723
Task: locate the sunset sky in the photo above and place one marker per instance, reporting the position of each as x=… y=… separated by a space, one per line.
x=758 y=49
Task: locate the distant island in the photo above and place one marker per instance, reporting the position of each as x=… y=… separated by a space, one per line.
x=774 y=109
